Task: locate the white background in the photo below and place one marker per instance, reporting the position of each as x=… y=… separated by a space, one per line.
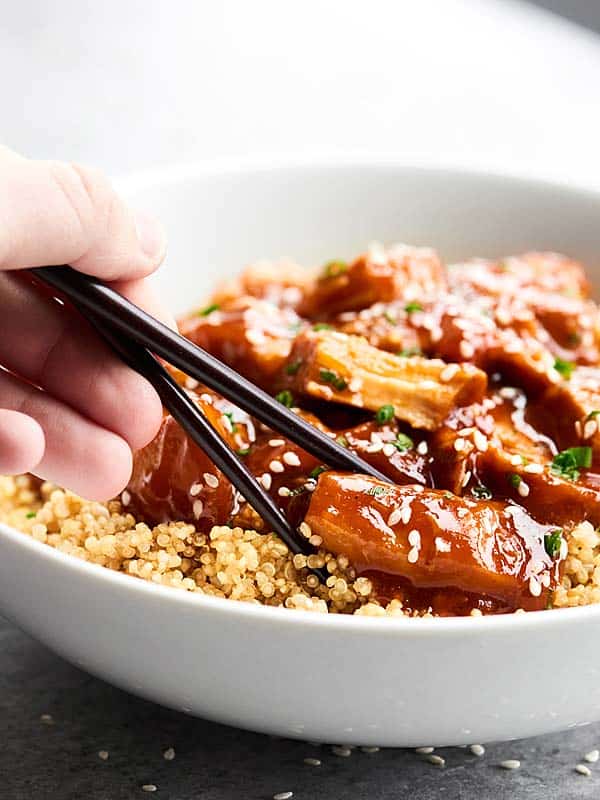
x=126 y=84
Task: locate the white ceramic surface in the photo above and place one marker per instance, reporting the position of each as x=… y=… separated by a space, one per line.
x=336 y=679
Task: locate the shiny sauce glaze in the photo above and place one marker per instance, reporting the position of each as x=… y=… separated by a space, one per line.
x=485 y=485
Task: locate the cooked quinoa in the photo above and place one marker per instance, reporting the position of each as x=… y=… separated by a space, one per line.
x=229 y=562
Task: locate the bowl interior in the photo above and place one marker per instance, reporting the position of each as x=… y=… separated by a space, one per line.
x=219 y=220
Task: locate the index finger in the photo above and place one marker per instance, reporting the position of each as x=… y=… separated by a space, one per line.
x=58 y=213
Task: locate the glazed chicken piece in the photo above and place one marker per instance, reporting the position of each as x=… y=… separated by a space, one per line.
x=517 y=465
x=282 y=283
x=548 y=272
x=173 y=479
x=379 y=276
x=333 y=366
x=435 y=539
x=253 y=336
x=570 y=411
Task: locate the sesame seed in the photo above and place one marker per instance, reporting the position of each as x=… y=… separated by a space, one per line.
x=342 y=752
x=227 y=423
x=413 y=555
x=466 y=478
x=424 y=751
x=375 y=447
x=459 y=444
x=305 y=529
x=276 y=466
x=394 y=517
x=414 y=538
x=592 y=756
x=583 y=770
x=533 y=469
x=523 y=489
x=291 y=459
x=195 y=489
x=466 y=349
x=211 y=480
x=149 y=787
x=125 y=498
x=578 y=430
x=276 y=442
x=198 y=508
x=315 y=540
x=283 y=491
x=47 y=719
x=535 y=587
x=388 y=450
x=449 y=372
x=422 y=448
x=206 y=398
x=191 y=383
x=169 y=754
x=406 y=514
x=480 y=441
x=266 y=480
x=510 y=763
x=436 y=760
x=477 y=749
x=103 y=754
x=369 y=749
x=312 y=762
x=516 y=460
x=589 y=429
x=508 y=392
x=283 y=795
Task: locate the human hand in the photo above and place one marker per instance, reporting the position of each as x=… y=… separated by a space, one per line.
x=70 y=411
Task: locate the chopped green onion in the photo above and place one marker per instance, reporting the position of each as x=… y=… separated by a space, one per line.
x=565 y=368
x=566 y=463
x=286 y=398
x=385 y=414
x=481 y=492
x=317 y=471
x=342 y=441
x=328 y=376
x=390 y=317
x=208 y=310
x=376 y=491
x=593 y=414
x=334 y=268
x=321 y=326
x=229 y=415
x=413 y=306
x=449 y=495
x=552 y=543
x=403 y=443
x=514 y=480
x=243 y=452
x=410 y=352
x=292 y=369
x=31 y=514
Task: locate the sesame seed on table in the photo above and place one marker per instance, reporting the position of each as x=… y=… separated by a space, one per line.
x=58 y=724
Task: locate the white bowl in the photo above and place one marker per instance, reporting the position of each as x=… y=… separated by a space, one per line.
x=330 y=678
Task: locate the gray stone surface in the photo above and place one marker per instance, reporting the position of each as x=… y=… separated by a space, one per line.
x=60 y=761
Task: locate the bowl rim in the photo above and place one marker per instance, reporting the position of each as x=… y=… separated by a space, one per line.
x=170 y=174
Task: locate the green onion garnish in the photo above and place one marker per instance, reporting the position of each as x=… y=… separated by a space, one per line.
x=208 y=310
x=565 y=368
x=413 y=306
x=385 y=414
x=566 y=463
x=286 y=398
x=552 y=543
x=328 y=376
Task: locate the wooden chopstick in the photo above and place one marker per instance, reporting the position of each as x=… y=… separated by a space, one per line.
x=109 y=307
x=195 y=424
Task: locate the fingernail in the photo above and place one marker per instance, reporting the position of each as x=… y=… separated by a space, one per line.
x=151 y=234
